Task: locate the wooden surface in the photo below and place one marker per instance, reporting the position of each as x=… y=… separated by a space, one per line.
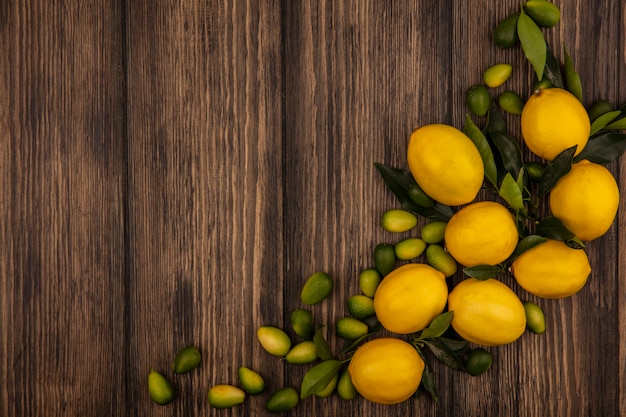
x=172 y=171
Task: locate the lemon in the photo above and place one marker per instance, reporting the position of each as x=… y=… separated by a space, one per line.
x=368 y=281
x=497 y=74
x=187 y=359
x=386 y=370
x=302 y=323
x=274 y=340
x=283 y=400
x=159 y=388
x=302 y=353
x=552 y=270
x=360 y=306
x=486 y=312
x=316 y=288
x=251 y=381
x=445 y=163
x=535 y=320
x=398 y=220
x=433 y=232
x=478 y=361
x=345 y=387
x=552 y=121
x=225 y=396
x=505 y=34
x=441 y=260
x=409 y=248
x=477 y=99
x=410 y=297
x=544 y=13
x=586 y=200
x=481 y=233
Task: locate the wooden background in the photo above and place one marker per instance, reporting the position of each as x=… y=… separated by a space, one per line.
x=172 y=171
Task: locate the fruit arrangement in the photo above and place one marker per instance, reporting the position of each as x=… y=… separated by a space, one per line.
x=488 y=213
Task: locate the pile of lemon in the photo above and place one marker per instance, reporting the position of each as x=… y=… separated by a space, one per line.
x=494 y=221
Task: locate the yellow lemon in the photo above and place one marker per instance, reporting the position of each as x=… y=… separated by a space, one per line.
x=552 y=270
x=445 y=164
x=410 y=297
x=386 y=370
x=482 y=233
x=552 y=121
x=586 y=200
x=486 y=312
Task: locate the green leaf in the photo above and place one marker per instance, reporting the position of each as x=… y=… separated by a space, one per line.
x=446 y=355
x=619 y=124
x=321 y=346
x=509 y=151
x=603 y=148
x=479 y=139
x=495 y=122
x=553 y=228
x=525 y=244
x=398 y=181
x=559 y=166
x=572 y=78
x=552 y=71
x=318 y=377
x=602 y=121
x=428 y=376
x=455 y=344
x=483 y=272
x=533 y=43
x=438 y=326
x=511 y=192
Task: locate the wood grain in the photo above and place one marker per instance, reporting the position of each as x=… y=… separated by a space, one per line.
x=172 y=172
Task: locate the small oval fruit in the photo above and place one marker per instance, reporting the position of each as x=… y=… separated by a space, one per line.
x=433 y=232
x=251 y=381
x=409 y=248
x=542 y=83
x=345 y=387
x=274 y=340
x=511 y=102
x=544 y=13
x=419 y=197
x=302 y=323
x=360 y=306
x=283 y=400
x=384 y=258
x=535 y=170
x=317 y=288
x=368 y=281
x=505 y=34
x=478 y=99
x=302 y=353
x=225 y=396
x=398 y=220
x=186 y=360
x=442 y=261
x=535 y=320
x=497 y=74
x=350 y=328
x=159 y=388
x=478 y=361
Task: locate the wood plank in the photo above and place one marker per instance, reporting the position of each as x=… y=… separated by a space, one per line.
x=205 y=195
x=62 y=211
